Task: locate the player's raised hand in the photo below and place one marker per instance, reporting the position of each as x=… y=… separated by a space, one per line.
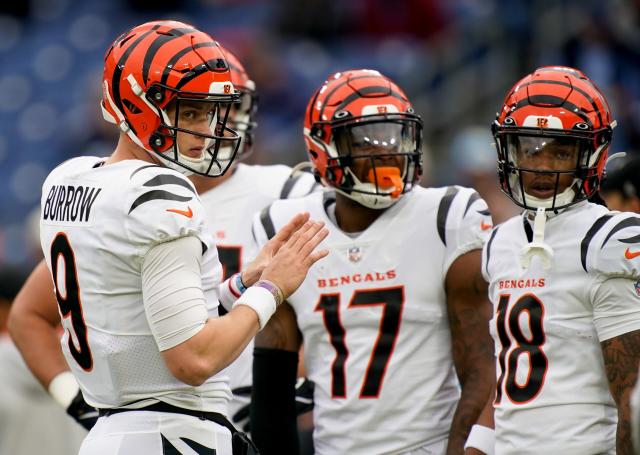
x=290 y=264
x=253 y=271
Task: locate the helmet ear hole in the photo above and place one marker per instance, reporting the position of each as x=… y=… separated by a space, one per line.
x=156 y=141
x=605 y=137
x=155 y=95
x=318 y=132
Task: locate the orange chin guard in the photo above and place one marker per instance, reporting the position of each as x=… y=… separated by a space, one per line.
x=386 y=177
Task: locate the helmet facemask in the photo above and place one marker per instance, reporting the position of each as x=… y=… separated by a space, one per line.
x=376 y=160
x=241 y=120
x=552 y=170
x=194 y=136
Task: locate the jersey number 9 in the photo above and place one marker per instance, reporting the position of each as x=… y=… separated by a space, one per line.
x=69 y=302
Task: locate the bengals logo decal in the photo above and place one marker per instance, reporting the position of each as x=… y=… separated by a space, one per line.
x=226 y=89
x=543 y=122
x=382 y=109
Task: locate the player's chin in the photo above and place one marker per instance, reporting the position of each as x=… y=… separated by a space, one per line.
x=541 y=193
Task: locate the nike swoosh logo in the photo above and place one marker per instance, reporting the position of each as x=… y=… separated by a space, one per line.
x=188 y=213
x=630 y=255
x=484 y=227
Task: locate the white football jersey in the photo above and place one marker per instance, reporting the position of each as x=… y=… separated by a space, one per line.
x=229 y=208
x=97 y=223
x=552 y=390
x=373 y=316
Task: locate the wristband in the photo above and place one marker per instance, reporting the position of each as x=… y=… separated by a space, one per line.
x=481 y=438
x=64 y=388
x=239 y=284
x=260 y=300
x=273 y=288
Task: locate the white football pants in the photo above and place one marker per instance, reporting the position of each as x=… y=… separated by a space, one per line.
x=145 y=432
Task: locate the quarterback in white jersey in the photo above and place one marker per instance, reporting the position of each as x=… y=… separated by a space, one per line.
x=93 y=247
x=380 y=318
x=563 y=277
x=134 y=270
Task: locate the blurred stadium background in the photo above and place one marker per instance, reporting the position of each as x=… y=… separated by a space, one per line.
x=454 y=58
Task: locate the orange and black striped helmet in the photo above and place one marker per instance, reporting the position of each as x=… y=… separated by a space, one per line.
x=363 y=137
x=554 y=108
x=164 y=64
x=243 y=115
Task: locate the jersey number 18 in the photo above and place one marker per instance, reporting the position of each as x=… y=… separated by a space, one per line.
x=529 y=344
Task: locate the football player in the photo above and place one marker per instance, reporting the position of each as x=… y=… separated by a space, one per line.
x=395 y=320
x=563 y=276
x=228 y=208
x=136 y=276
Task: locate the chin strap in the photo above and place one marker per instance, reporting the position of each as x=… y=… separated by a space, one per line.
x=537 y=247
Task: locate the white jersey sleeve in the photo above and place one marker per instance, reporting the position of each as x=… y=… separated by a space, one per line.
x=172 y=294
x=463 y=221
x=163 y=205
x=616 y=253
x=616 y=307
x=614 y=257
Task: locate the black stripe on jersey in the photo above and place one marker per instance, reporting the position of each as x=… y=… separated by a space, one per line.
x=473 y=198
x=485 y=212
x=553 y=101
x=627 y=222
x=217 y=64
x=584 y=245
x=267 y=222
x=169 y=179
x=157 y=195
x=145 y=167
x=178 y=56
x=204 y=247
x=486 y=265
x=117 y=73
x=288 y=186
x=443 y=211
x=328 y=199
x=634 y=239
x=527 y=229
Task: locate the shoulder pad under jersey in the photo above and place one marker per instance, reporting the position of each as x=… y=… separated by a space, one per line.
x=160 y=205
x=612 y=246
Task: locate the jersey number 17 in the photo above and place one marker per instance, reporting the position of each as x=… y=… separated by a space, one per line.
x=392 y=300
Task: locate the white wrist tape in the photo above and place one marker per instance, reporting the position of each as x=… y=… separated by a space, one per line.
x=259 y=300
x=64 y=388
x=481 y=438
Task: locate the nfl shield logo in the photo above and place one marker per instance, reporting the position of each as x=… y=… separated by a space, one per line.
x=637 y=286
x=354 y=254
